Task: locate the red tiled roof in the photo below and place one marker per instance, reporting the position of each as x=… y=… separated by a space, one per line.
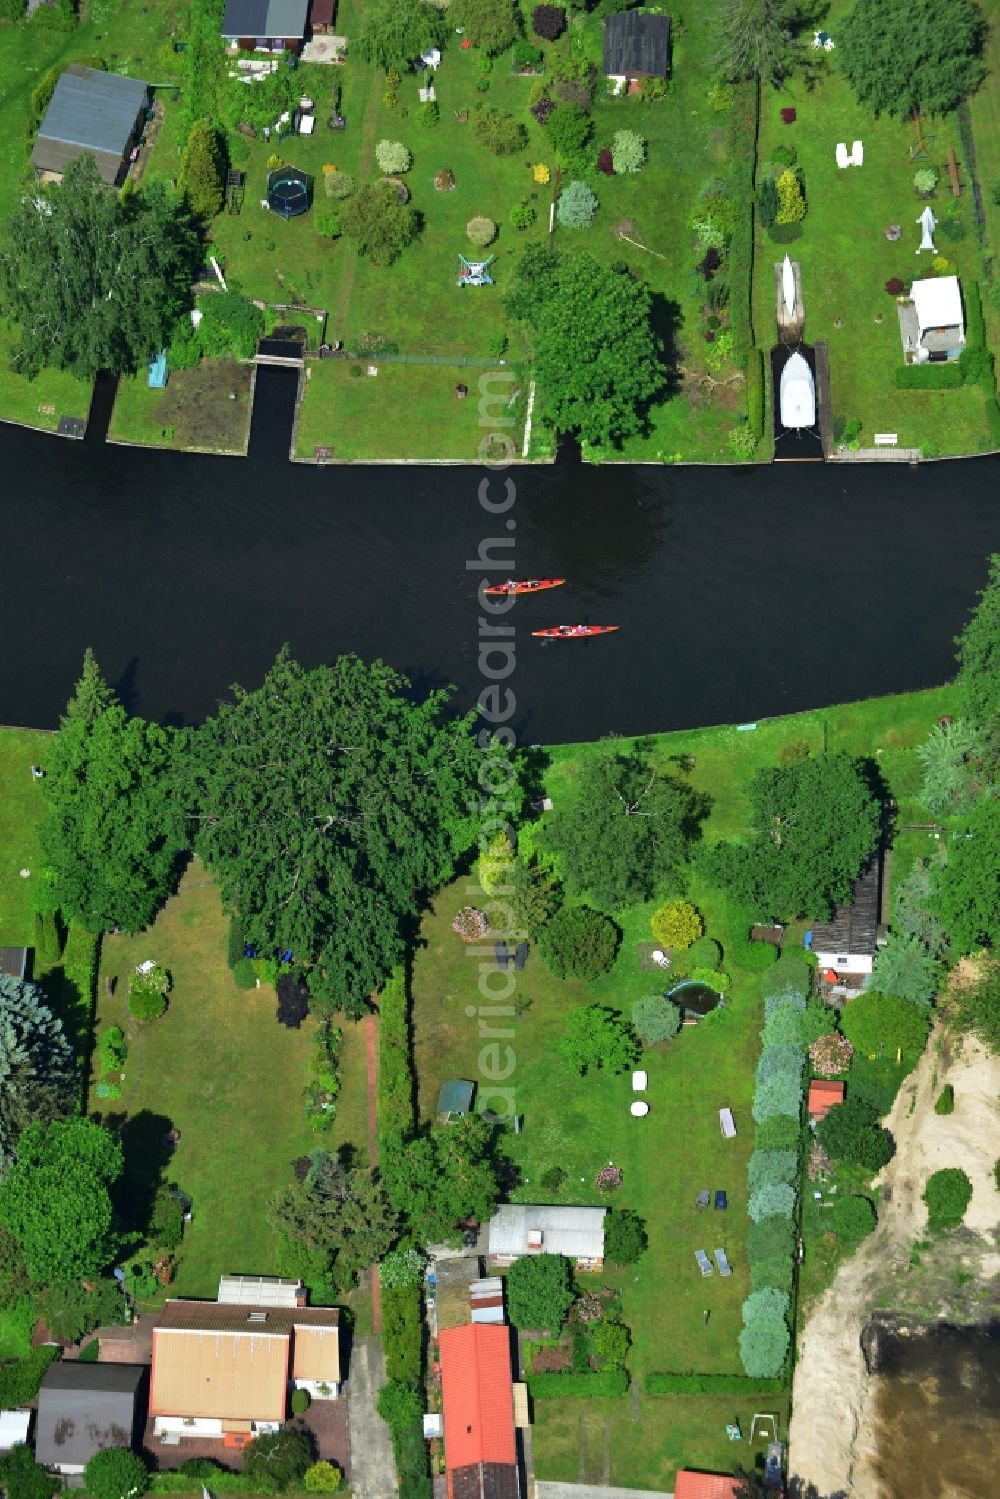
x=823 y=1096
x=477 y=1395
x=692 y=1485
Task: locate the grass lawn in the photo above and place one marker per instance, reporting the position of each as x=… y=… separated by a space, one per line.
x=23 y=806
x=846 y=258
x=195 y=411
x=218 y=1068
x=350 y=414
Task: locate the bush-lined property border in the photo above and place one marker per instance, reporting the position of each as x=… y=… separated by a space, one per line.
x=595 y=1386
x=712 y=1384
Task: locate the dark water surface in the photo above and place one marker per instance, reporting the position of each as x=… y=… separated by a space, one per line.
x=739 y=594
x=938 y=1414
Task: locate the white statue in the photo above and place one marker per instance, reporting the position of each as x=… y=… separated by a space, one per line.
x=928 y=224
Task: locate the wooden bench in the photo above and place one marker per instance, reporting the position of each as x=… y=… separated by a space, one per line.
x=886 y=439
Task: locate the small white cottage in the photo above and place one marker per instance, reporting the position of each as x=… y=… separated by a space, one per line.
x=940 y=319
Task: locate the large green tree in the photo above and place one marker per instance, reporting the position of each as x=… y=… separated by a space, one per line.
x=202 y=174
x=597 y=1039
x=37 y=1071
x=93 y=279
x=378 y=223
x=851 y=1132
x=492 y=25
x=979 y=663
x=439 y=1180
x=969 y=884
x=56 y=1201
x=624 y=829
x=114 y=826
x=597 y=359
x=814 y=824
x=396 y=33
x=540 y=1292
x=757 y=40
x=877 y=1024
x=902 y=55
x=341 y=1213
x=331 y=804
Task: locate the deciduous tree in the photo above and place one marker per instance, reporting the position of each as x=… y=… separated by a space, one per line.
x=851 y=1132
x=331 y=804
x=56 y=1202
x=378 y=223
x=976 y=1007
x=969 y=884
x=902 y=55
x=37 y=1073
x=93 y=279
x=597 y=1039
x=814 y=825
x=277 y=1460
x=540 y=1292
x=625 y=1238
x=947 y=1194
x=875 y=1023
x=439 y=1180
x=342 y=1213
x=396 y=33
x=491 y=25
x=579 y=943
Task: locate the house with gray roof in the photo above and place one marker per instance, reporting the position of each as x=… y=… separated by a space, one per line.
x=847 y=944
x=95 y=112
x=83 y=1408
x=265 y=25
x=636 y=46
x=517 y=1229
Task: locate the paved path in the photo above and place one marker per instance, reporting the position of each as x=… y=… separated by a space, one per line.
x=373 y=1468
x=371 y=1051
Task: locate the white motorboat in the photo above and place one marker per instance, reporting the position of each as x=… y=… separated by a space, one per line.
x=797 y=394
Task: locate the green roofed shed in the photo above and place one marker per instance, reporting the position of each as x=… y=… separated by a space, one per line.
x=456 y=1097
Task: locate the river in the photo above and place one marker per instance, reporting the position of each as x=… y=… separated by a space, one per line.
x=740 y=593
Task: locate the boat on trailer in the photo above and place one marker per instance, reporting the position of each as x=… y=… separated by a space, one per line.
x=797 y=394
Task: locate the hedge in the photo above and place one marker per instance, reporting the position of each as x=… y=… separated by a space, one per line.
x=395 y=1071
x=975 y=323
x=928 y=376
x=755 y=392
x=594 y=1386
x=403 y=1333
x=19 y=1382
x=766 y=1166
x=778 y=1133
x=993 y=420
x=776 y=1270
x=742 y=154
x=712 y=1384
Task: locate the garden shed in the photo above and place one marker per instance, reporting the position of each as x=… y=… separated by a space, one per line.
x=936 y=329
x=455 y=1098
x=636 y=46
x=824 y=1095
x=83 y=1408
x=578 y=1233
x=14 y=961
x=95 y=112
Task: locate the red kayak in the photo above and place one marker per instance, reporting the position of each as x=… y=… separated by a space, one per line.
x=530 y=585
x=575 y=632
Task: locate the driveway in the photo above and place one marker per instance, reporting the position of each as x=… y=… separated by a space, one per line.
x=373 y=1469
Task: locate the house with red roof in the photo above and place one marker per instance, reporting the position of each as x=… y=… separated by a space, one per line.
x=824 y=1095
x=477 y=1396
x=692 y=1485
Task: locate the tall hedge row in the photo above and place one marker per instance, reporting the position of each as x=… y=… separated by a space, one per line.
x=594 y=1386
x=742 y=156
x=711 y=1384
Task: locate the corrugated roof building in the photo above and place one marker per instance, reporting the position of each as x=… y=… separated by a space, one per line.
x=83 y=1408
x=578 y=1233
x=269 y=25
x=636 y=45
x=478 y=1405
x=102 y=113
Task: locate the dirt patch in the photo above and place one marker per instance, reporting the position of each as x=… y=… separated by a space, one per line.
x=551 y=1360
x=208 y=406
x=832 y=1441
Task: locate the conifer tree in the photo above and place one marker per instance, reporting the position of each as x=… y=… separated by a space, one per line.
x=201 y=178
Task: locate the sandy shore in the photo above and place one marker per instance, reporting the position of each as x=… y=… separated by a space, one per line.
x=831 y=1443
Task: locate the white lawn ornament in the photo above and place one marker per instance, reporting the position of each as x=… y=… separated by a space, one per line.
x=928 y=224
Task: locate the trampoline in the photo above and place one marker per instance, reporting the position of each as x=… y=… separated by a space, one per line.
x=288 y=191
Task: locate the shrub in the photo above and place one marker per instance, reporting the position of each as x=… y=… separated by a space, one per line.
x=148 y=988
x=273 y=162
x=276 y=1460
x=947 y=1195
x=548 y=22
x=778 y=1133
x=300 y=1402
x=399 y=1403
x=779 y=1061
x=625 y=1237
x=925 y=179
x=874 y=1021
x=781 y=1094
x=895 y=287
x=767 y=1302
x=628 y=152
x=579 y=942
x=403 y=1334
x=48 y=938
x=945 y=1103
x=676 y=924
x=763 y=1346
x=656 y=1018
x=113 y=1049
x=338 y=184
x=116 y=1473
x=976 y=364
x=830 y=1055
x=767 y=202
x=569 y=128
x=652 y=88
x=609 y=1179
x=327 y=224
x=776 y=1270
x=851 y=1132
x=784 y=156
x=771 y=1238
x=393 y=158
x=428 y=114
x=790 y=971
x=540 y=1292
x=542 y=108
x=166 y=1219
x=526 y=57
x=720 y=98
x=975 y=326
x=791 y=203
x=244 y=974
x=231 y=323
x=853 y=1217
x=481 y=232
x=610 y=1342
x=576 y=206
x=540 y=173
x=766 y=1167
x=20 y=1381
x=522 y=216
x=606 y=1384
x=928 y=376
x=323 y=1478
x=401 y=1268
x=200 y=1467
x=470 y=924
x=552 y=1178
x=497 y=129
x=776 y=1200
